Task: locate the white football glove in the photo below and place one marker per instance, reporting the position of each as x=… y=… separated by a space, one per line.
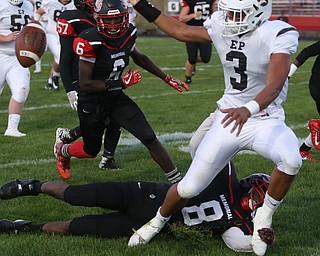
x=73 y=99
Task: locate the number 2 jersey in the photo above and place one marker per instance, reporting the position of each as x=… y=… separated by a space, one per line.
x=110 y=56
x=245 y=61
x=13 y=18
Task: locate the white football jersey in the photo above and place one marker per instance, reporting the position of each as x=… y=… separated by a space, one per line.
x=54 y=8
x=245 y=60
x=13 y=18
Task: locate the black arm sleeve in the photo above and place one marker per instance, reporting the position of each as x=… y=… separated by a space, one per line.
x=307 y=52
x=68 y=64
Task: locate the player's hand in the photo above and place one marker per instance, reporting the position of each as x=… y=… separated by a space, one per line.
x=238 y=115
x=73 y=99
x=131 y=77
x=12 y=36
x=175 y=83
x=267 y=235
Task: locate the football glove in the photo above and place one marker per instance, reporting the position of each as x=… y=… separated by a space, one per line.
x=73 y=99
x=267 y=235
x=175 y=83
x=131 y=77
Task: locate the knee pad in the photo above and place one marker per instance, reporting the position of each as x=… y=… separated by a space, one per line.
x=21 y=94
x=292 y=165
x=185 y=190
x=149 y=139
x=205 y=60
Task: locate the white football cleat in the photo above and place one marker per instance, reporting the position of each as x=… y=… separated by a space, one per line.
x=14 y=133
x=260 y=221
x=144 y=234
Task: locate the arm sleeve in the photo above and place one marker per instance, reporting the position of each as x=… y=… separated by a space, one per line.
x=236 y=240
x=307 y=52
x=66 y=63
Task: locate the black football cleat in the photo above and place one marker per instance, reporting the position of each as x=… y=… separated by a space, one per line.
x=15 y=226
x=18 y=188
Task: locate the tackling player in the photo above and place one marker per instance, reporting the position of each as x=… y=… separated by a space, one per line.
x=224 y=207
x=14 y=15
x=255 y=55
x=104 y=53
x=69 y=25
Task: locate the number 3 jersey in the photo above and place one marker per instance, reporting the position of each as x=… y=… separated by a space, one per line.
x=245 y=61
x=13 y=18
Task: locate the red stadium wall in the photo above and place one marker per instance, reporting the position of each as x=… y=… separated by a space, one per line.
x=303 y=23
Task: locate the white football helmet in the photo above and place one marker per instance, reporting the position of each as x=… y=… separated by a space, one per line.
x=15 y=2
x=240 y=16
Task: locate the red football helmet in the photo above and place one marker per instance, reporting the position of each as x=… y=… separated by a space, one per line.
x=255 y=187
x=85 y=5
x=112 y=17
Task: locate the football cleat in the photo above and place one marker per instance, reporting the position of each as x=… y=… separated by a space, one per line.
x=63 y=163
x=314 y=127
x=144 y=234
x=55 y=82
x=260 y=221
x=48 y=86
x=16 y=188
x=188 y=81
x=14 y=133
x=108 y=163
x=62 y=135
x=306 y=156
x=15 y=226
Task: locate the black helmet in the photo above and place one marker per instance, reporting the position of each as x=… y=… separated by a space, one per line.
x=85 y=5
x=112 y=17
x=254 y=187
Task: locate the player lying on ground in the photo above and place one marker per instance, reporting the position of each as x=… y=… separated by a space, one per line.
x=223 y=209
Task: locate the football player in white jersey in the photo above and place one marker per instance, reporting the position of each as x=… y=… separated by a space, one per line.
x=14 y=14
x=255 y=55
x=53 y=8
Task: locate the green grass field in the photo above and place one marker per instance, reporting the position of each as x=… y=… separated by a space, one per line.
x=174 y=117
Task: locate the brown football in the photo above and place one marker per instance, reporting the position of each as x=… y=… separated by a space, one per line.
x=30 y=44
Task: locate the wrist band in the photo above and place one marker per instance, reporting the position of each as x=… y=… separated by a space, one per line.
x=113 y=85
x=293 y=69
x=147 y=10
x=253 y=107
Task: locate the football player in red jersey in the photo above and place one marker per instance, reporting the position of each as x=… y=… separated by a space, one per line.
x=194 y=13
x=69 y=25
x=313 y=139
x=104 y=53
x=224 y=207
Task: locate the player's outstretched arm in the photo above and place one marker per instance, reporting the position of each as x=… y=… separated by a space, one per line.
x=145 y=62
x=172 y=27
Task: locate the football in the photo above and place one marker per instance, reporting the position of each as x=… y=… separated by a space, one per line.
x=30 y=44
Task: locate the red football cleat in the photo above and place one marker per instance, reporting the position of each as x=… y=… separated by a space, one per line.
x=314 y=127
x=63 y=163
